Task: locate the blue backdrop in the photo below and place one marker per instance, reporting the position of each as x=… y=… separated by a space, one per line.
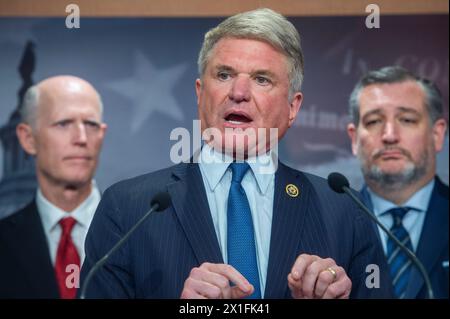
x=145 y=71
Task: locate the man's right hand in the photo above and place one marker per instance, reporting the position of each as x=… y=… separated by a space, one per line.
x=212 y=281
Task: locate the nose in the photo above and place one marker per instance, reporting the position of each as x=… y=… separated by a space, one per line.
x=390 y=133
x=240 y=89
x=80 y=137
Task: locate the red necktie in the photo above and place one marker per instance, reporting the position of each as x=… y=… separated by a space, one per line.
x=66 y=255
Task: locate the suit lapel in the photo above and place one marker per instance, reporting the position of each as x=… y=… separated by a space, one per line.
x=287 y=228
x=434 y=234
x=27 y=233
x=192 y=209
x=366 y=198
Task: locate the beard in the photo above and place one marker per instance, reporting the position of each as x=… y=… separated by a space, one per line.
x=410 y=174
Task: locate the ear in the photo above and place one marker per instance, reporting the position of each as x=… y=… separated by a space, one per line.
x=198 y=90
x=294 y=107
x=351 y=131
x=439 y=129
x=26 y=138
x=103 y=127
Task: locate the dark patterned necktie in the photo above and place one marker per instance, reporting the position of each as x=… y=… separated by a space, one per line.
x=399 y=263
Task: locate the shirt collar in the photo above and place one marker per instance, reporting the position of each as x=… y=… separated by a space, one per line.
x=215 y=164
x=83 y=214
x=419 y=201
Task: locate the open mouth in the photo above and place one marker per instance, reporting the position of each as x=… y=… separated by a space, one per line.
x=235 y=118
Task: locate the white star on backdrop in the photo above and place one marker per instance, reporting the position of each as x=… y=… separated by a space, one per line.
x=151 y=90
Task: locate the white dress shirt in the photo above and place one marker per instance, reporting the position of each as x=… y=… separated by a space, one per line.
x=51 y=215
x=259 y=186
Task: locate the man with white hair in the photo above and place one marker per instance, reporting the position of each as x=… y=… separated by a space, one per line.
x=42 y=245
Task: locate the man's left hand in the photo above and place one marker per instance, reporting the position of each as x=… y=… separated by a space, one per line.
x=315 y=277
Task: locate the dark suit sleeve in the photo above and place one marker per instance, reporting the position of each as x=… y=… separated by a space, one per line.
x=368 y=269
x=113 y=279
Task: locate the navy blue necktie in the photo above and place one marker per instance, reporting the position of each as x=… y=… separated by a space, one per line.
x=399 y=263
x=241 y=238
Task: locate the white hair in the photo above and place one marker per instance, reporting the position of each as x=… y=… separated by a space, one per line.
x=28 y=110
x=263 y=25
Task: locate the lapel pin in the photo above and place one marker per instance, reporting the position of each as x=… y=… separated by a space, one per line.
x=292 y=190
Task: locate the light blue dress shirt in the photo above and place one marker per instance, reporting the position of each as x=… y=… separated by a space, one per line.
x=259 y=185
x=413 y=220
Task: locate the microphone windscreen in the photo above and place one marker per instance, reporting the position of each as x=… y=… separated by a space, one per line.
x=162 y=200
x=337 y=182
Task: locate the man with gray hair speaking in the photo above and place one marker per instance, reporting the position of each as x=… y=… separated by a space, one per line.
x=397 y=128
x=241 y=224
x=41 y=246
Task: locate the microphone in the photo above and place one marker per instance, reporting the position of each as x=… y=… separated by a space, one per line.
x=159 y=203
x=340 y=184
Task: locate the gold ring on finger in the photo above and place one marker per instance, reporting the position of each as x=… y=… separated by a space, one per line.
x=333 y=272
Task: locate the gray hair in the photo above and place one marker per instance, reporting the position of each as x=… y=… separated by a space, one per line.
x=264 y=25
x=397 y=74
x=29 y=108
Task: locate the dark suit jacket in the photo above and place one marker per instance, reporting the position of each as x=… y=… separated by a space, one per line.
x=26 y=270
x=158 y=257
x=432 y=250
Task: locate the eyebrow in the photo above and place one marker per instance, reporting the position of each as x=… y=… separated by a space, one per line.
x=71 y=120
x=402 y=109
x=222 y=67
x=373 y=112
x=264 y=72
x=405 y=109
